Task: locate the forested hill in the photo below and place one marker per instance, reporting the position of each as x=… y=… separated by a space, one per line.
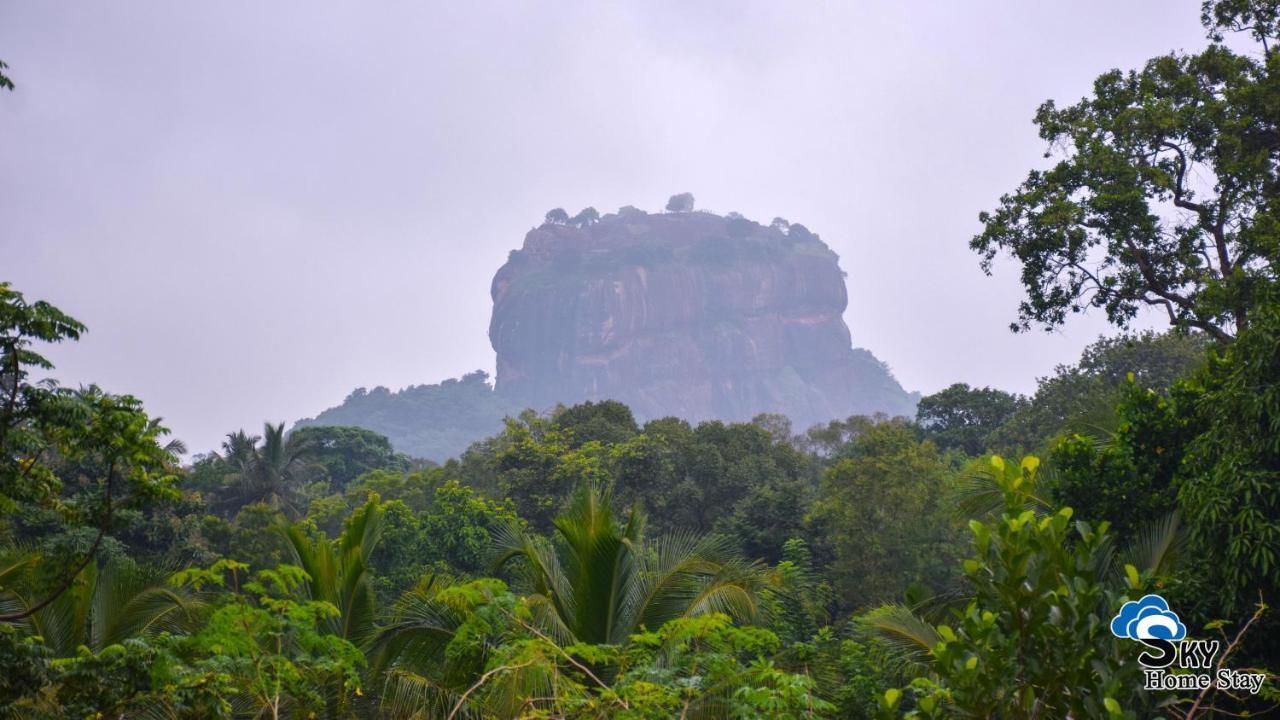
x=683 y=313
x=434 y=422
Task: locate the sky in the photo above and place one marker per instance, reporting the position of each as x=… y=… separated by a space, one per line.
x=257 y=207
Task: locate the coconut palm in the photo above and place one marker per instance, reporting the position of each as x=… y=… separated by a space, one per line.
x=339 y=572
x=273 y=473
x=601 y=582
x=104 y=606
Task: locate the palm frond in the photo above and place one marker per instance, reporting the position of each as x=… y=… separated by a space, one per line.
x=908 y=640
x=1157 y=547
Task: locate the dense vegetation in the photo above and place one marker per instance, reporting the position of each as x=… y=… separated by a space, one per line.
x=579 y=564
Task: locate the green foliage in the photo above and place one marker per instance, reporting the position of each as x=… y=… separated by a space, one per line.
x=1230 y=485
x=338 y=575
x=271 y=647
x=26 y=668
x=538 y=468
x=608 y=422
x=1128 y=479
x=76 y=456
x=961 y=417
x=680 y=202
x=346 y=453
x=434 y=422
x=601 y=581
x=881 y=517
x=1034 y=640
x=460 y=528
x=1127 y=218
x=276 y=473
x=1083 y=398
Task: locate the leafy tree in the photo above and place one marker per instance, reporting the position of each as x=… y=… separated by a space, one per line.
x=962 y=417
x=346 y=453
x=1166 y=193
x=1130 y=477
x=742 y=479
x=1230 y=474
x=1033 y=641
x=680 y=202
x=270 y=648
x=588 y=216
x=780 y=224
x=699 y=667
x=557 y=216
x=1083 y=398
x=537 y=470
x=880 y=520
x=26 y=668
x=5 y=82
x=78 y=455
x=460 y=528
x=607 y=422
x=601 y=581
x=414 y=488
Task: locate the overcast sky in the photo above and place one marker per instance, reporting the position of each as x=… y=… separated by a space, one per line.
x=257 y=207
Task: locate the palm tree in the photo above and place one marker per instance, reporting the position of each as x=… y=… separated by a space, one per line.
x=601 y=585
x=602 y=582
x=272 y=473
x=339 y=572
x=418 y=678
x=105 y=605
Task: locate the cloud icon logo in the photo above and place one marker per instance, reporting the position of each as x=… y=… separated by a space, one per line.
x=1148 y=619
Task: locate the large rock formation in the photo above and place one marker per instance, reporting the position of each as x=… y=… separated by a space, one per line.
x=688 y=314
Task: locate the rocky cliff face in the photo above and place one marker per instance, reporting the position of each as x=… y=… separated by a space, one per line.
x=687 y=314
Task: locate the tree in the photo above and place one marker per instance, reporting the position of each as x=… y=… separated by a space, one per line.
x=1083 y=398
x=557 y=216
x=607 y=421
x=338 y=573
x=274 y=473
x=270 y=652
x=588 y=216
x=879 y=519
x=1033 y=641
x=1167 y=193
x=460 y=528
x=5 y=82
x=105 y=606
x=1229 y=484
x=780 y=224
x=601 y=582
x=962 y=417
x=100 y=452
x=347 y=452
x=681 y=202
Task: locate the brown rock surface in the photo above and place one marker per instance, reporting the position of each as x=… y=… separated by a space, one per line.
x=687 y=314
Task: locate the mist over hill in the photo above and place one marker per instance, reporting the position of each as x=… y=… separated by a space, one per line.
x=683 y=313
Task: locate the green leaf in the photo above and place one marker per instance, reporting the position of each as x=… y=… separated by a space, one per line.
x=1131 y=573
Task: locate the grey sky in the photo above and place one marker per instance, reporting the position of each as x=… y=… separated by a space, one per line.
x=257 y=207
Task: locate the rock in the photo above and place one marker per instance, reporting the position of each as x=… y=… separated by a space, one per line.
x=688 y=314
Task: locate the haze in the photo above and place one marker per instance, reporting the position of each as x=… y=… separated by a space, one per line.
x=258 y=207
